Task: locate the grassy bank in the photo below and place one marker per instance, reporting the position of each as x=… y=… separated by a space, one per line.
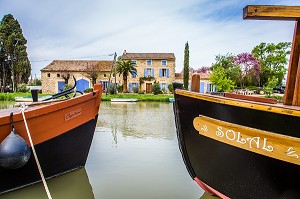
x=11 y=96
x=140 y=97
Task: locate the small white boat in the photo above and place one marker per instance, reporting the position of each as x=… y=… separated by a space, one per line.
x=124 y=100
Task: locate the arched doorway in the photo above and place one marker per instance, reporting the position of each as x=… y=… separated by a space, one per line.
x=82 y=84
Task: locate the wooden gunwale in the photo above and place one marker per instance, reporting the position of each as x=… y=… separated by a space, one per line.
x=47 y=119
x=273 y=108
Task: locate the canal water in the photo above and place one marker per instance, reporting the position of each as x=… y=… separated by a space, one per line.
x=134 y=155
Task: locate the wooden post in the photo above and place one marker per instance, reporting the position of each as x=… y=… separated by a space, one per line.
x=289 y=13
x=292 y=83
x=195 y=87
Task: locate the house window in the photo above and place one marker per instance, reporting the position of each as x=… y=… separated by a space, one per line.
x=149 y=72
x=164 y=72
x=48 y=74
x=114 y=75
x=104 y=75
x=57 y=75
x=133 y=62
x=134 y=85
x=163 y=62
x=104 y=85
x=149 y=62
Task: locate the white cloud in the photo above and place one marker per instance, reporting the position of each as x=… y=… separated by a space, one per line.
x=85 y=29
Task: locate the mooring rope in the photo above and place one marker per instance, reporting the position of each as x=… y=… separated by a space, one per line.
x=23 y=107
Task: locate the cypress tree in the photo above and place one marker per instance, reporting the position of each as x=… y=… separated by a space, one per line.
x=186 y=67
x=15 y=65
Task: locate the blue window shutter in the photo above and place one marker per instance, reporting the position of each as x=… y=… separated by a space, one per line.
x=167 y=71
x=145 y=72
x=130 y=87
x=152 y=72
x=201 y=87
x=167 y=86
x=160 y=72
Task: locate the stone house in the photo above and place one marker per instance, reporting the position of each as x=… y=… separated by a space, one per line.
x=53 y=75
x=205 y=85
x=150 y=67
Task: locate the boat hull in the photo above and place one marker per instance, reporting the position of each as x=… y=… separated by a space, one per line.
x=233 y=171
x=69 y=151
x=61 y=131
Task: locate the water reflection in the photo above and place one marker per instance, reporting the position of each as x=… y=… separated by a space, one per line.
x=71 y=185
x=135 y=155
x=140 y=120
x=7 y=104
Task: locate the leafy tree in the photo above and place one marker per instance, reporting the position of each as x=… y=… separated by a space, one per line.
x=202 y=69
x=14 y=62
x=226 y=61
x=220 y=80
x=186 y=66
x=272 y=58
x=125 y=68
x=249 y=69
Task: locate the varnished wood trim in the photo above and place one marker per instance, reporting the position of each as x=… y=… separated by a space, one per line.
x=293 y=67
x=195 y=86
x=273 y=108
x=270 y=144
x=271 y=12
x=251 y=98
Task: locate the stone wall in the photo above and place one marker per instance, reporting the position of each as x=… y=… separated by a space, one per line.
x=156 y=65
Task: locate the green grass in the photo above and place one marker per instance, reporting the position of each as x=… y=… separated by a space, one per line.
x=12 y=96
x=140 y=97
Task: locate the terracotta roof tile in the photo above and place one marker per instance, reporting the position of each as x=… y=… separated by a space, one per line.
x=166 y=56
x=77 y=65
x=202 y=75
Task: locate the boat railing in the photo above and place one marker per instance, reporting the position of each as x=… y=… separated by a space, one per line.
x=65 y=93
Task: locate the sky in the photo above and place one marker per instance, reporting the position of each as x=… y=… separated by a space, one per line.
x=95 y=29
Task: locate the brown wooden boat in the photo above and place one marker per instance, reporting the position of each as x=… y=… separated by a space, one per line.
x=244 y=147
x=61 y=131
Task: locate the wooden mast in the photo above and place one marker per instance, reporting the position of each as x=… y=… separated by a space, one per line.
x=287 y=13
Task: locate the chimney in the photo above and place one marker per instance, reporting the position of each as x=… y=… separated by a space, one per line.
x=124 y=52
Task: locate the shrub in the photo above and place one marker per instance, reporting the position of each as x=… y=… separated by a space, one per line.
x=111 y=88
x=67 y=86
x=88 y=90
x=170 y=87
x=120 y=88
x=135 y=90
x=22 y=88
x=156 y=88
